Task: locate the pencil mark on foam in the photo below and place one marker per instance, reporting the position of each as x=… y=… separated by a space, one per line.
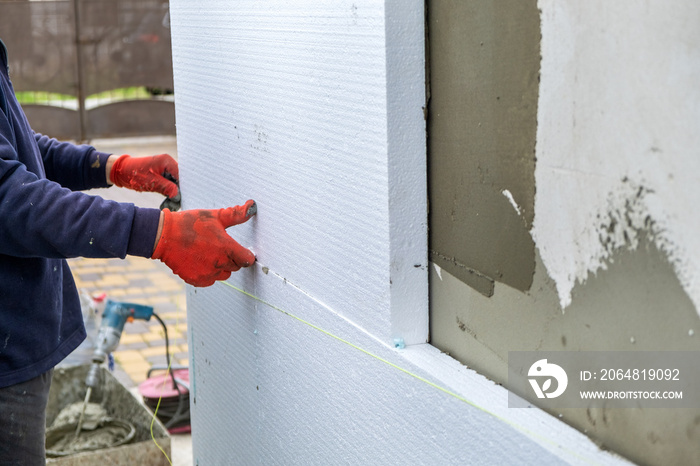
x=269 y=272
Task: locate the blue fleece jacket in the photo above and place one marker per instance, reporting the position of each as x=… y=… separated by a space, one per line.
x=44 y=219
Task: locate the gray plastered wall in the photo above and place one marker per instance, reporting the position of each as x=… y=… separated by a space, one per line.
x=484 y=60
x=490 y=291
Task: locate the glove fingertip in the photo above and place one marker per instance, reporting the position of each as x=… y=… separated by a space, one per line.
x=231 y=216
x=251 y=208
x=172 y=190
x=245 y=258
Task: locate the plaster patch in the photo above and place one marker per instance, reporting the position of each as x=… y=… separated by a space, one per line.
x=515 y=205
x=626 y=218
x=617 y=137
x=438 y=270
x=629 y=213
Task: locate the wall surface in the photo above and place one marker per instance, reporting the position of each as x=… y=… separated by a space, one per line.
x=315 y=110
x=619 y=157
x=616 y=180
x=484 y=68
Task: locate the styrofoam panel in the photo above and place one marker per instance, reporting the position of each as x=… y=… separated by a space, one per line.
x=325 y=403
x=222 y=368
x=287 y=106
x=407 y=169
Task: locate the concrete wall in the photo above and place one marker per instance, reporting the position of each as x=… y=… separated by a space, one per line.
x=484 y=62
x=315 y=110
x=620 y=152
x=616 y=163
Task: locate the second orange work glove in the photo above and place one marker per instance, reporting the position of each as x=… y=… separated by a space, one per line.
x=146 y=174
x=195 y=245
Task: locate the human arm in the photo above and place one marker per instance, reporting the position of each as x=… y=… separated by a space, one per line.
x=77 y=167
x=41 y=215
x=42 y=219
x=39 y=218
x=81 y=167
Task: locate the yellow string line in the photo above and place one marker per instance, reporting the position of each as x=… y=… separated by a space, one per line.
x=414 y=375
x=153 y=420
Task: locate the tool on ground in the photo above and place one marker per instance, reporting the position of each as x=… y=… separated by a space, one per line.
x=115 y=315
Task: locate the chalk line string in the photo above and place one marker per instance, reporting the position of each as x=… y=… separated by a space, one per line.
x=162 y=390
x=412 y=374
x=153 y=420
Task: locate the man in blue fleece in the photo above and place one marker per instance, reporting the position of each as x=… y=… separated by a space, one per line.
x=44 y=219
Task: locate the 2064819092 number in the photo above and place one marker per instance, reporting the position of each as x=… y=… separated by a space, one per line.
x=639 y=374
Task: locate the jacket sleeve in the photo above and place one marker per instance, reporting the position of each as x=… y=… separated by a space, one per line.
x=40 y=218
x=76 y=167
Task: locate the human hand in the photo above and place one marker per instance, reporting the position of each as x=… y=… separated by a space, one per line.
x=195 y=245
x=157 y=173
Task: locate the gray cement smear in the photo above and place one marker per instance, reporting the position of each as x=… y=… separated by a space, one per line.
x=636 y=303
x=98 y=431
x=70 y=414
x=104 y=437
x=482 y=123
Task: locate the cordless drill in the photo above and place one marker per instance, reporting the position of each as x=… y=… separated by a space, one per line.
x=115 y=315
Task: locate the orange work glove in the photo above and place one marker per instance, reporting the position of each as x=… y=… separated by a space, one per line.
x=195 y=245
x=151 y=174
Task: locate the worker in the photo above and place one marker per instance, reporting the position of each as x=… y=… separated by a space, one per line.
x=44 y=219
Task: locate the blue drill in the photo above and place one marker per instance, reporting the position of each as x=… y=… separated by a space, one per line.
x=115 y=315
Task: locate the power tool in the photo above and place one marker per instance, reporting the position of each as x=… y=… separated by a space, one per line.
x=115 y=315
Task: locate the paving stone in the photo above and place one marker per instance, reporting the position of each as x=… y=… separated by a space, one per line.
x=156 y=359
x=137 y=326
x=153 y=350
x=137 y=345
x=90 y=277
x=153 y=339
x=126 y=357
x=129 y=338
x=139 y=283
